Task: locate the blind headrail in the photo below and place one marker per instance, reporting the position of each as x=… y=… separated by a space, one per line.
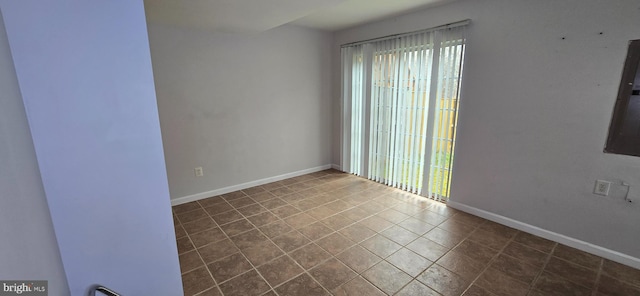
x=447 y=26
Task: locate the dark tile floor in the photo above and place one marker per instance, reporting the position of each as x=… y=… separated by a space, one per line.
x=330 y=233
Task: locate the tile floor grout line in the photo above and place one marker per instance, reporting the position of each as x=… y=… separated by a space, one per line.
x=493 y=259
x=332 y=256
x=202 y=259
x=413 y=278
x=272 y=288
x=542 y=268
x=305 y=271
x=358 y=274
x=195 y=249
x=239 y=249
x=241 y=253
x=205 y=263
x=335 y=231
x=596 y=285
x=282 y=250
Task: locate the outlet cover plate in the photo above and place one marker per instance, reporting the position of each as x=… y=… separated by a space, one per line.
x=602 y=187
x=198 y=171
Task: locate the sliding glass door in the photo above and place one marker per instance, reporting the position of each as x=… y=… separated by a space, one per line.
x=400 y=101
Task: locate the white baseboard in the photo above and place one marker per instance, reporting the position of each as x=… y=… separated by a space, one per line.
x=202 y=195
x=563 y=239
x=336 y=167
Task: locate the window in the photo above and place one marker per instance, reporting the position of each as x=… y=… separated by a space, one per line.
x=400 y=102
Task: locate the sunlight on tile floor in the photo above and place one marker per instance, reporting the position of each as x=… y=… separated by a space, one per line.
x=330 y=233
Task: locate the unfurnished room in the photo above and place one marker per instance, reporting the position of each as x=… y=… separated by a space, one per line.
x=320 y=147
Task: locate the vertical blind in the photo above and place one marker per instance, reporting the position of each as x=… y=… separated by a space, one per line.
x=400 y=100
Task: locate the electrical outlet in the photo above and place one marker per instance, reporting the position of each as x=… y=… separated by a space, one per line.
x=602 y=187
x=199 y=172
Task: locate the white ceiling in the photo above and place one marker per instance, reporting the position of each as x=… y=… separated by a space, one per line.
x=356 y=12
x=262 y=15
